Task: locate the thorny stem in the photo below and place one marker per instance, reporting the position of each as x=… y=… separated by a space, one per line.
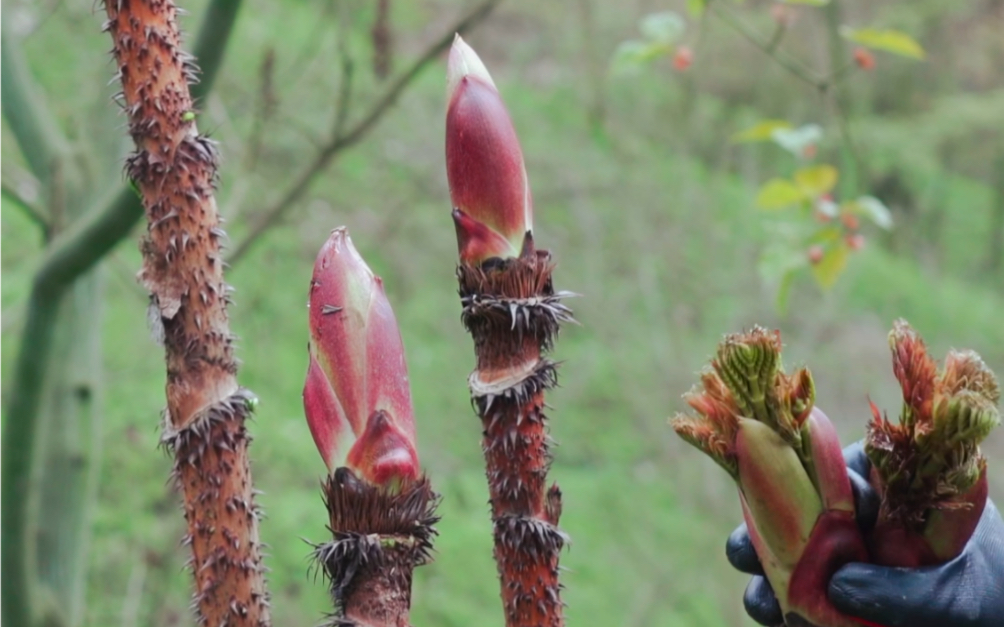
x=175 y=170
x=70 y=254
x=513 y=315
x=379 y=536
x=339 y=141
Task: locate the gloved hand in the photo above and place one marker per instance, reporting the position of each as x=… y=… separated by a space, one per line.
x=965 y=592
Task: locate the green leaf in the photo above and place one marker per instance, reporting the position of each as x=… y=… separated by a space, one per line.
x=665 y=27
x=894 y=41
x=825 y=235
x=779 y=259
x=631 y=55
x=761 y=131
x=778 y=193
x=784 y=291
x=696 y=7
x=816 y=180
x=831 y=266
x=873 y=209
x=795 y=140
x=811 y=3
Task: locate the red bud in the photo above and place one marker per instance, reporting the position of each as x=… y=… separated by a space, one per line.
x=683 y=58
x=484 y=163
x=864 y=59
x=850 y=221
x=815 y=254
x=357 y=368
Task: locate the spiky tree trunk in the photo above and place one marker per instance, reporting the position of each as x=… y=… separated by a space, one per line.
x=513 y=314
x=175 y=170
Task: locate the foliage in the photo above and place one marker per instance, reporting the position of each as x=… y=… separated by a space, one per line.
x=795 y=247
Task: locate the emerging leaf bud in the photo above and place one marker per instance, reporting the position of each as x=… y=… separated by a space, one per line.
x=356 y=398
x=493 y=210
x=761 y=425
x=928 y=467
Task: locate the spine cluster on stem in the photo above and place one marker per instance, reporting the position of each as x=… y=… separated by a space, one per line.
x=357 y=400
x=513 y=314
x=174 y=169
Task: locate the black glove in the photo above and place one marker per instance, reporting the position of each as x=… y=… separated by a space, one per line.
x=965 y=592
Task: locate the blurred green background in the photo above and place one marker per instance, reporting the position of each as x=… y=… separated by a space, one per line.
x=650 y=212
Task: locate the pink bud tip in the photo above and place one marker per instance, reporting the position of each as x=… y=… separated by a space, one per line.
x=383 y=454
x=357 y=367
x=484 y=162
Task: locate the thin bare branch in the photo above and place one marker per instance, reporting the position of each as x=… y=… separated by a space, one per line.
x=16 y=195
x=768 y=48
x=344 y=91
x=211 y=43
x=34 y=127
x=339 y=142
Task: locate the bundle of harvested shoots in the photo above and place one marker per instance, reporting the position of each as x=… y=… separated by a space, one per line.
x=358 y=406
x=513 y=313
x=928 y=468
x=759 y=424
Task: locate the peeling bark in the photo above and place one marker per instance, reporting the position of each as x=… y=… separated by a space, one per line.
x=378 y=538
x=513 y=315
x=175 y=170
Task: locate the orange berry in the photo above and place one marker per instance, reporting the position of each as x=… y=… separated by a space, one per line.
x=850 y=221
x=683 y=58
x=855 y=242
x=864 y=59
x=815 y=254
x=809 y=151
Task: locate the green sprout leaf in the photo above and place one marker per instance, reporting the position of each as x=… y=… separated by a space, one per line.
x=779 y=259
x=825 y=235
x=761 y=131
x=816 y=180
x=188 y=116
x=831 y=266
x=795 y=140
x=778 y=193
x=631 y=55
x=665 y=27
x=888 y=40
x=784 y=291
